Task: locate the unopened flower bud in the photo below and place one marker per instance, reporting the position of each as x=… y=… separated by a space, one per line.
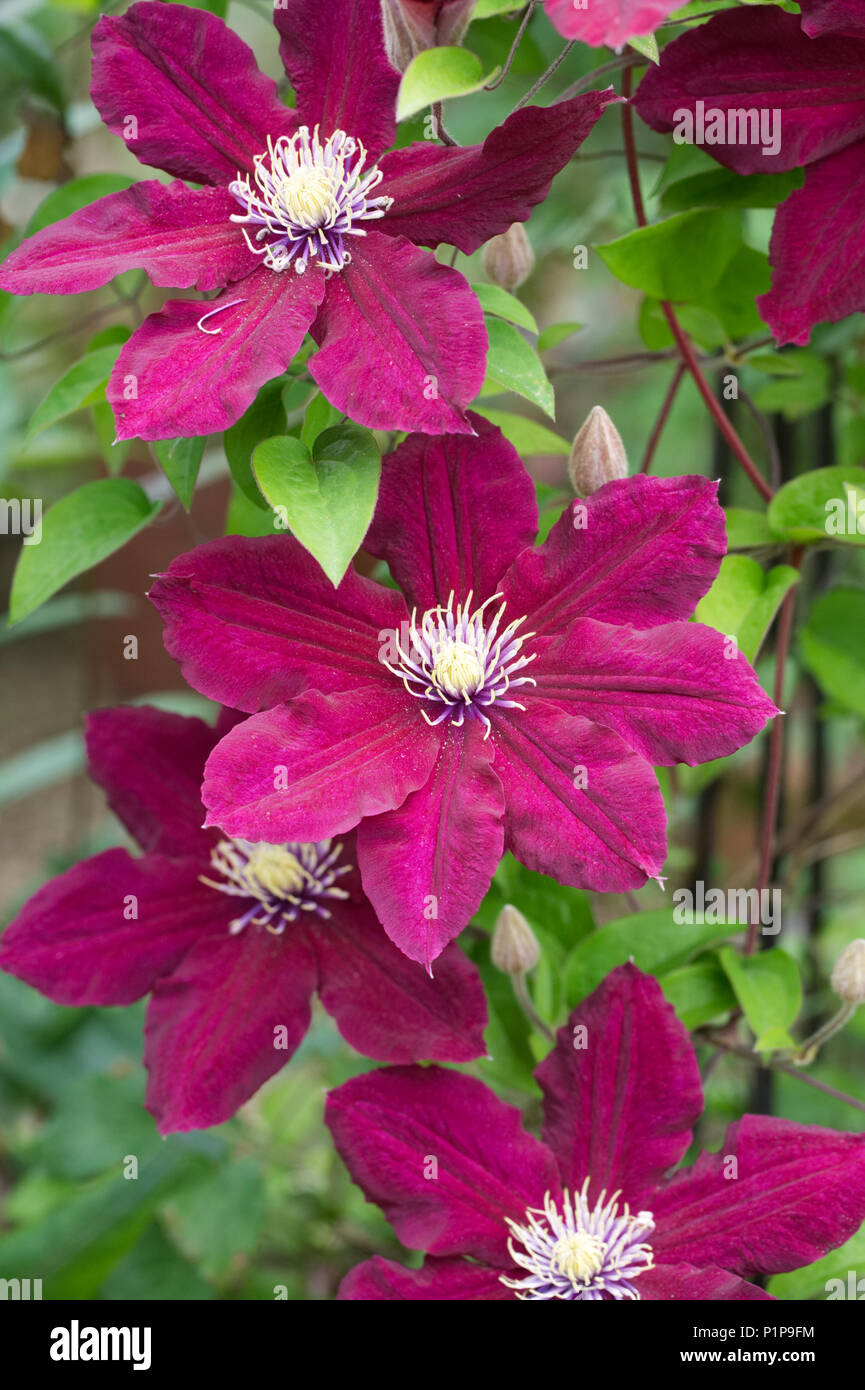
x=515 y=947
x=509 y=260
x=597 y=454
x=848 y=977
x=410 y=26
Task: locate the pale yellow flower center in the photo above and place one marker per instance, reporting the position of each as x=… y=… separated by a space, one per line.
x=307 y=198
x=579 y=1256
x=458 y=669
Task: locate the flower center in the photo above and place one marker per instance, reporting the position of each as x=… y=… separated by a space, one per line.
x=581 y=1252
x=454 y=661
x=578 y=1256
x=281 y=880
x=458 y=669
x=308 y=197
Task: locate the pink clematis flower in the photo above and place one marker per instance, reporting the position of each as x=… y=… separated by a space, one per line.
x=610 y=22
x=591 y=1213
x=775 y=99
x=518 y=702
x=301 y=225
x=230 y=938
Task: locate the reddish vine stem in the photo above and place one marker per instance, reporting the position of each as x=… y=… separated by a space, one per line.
x=685 y=349
x=776 y=748
x=747 y=1054
x=663 y=415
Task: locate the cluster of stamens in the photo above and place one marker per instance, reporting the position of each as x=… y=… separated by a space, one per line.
x=308 y=198
x=452 y=660
x=581 y=1252
x=281 y=880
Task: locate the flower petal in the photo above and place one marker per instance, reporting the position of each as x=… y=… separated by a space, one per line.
x=640 y=551
x=176 y=377
x=607 y=835
x=465 y=195
x=223 y=1022
x=442 y=1156
x=339 y=69
x=826 y=215
x=254 y=621
x=385 y=1006
x=313 y=768
x=671 y=692
x=777 y=1196
x=759 y=60
x=452 y=514
x=427 y=864
x=402 y=340
x=438 y=1281
x=180 y=236
x=104 y=931
x=832 y=17
x=621 y=1095
x=184 y=91
x=608 y=22
x=150 y=764
x=683 y=1283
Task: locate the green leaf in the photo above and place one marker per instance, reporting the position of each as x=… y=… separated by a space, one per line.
x=154 y=1270
x=681 y=258
x=797 y=396
x=731 y=300
x=77 y=532
x=484 y=9
x=81 y=1139
x=320 y=415
x=264 y=419
x=514 y=364
x=74 y=1248
x=180 y=460
x=699 y=992
x=826 y=504
x=646 y=44
x=832 y=649
x=722 y=188
x=220 y=1217
x=744 y=599
x=768 y=987
x=556 y=333
x=747 y=529
x=26 y=62
x=527 y=436
x=71 y=197
x=655 y=941
x=435 y=75
x=495 y=300
x=82 y=384
x=327 y=497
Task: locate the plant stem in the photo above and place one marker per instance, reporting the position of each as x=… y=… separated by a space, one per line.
x=776 y=748
x=524 y=23
x=661 y=421
x=524 y=1000
x=545 y=76
x=717 y=1040
x=687 y=352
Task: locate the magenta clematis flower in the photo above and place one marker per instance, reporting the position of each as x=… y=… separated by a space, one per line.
x=610 y=22
x=518 y=702
x=301 y=225
x=230 y=938
x=591 y=1213
x=743 y=66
